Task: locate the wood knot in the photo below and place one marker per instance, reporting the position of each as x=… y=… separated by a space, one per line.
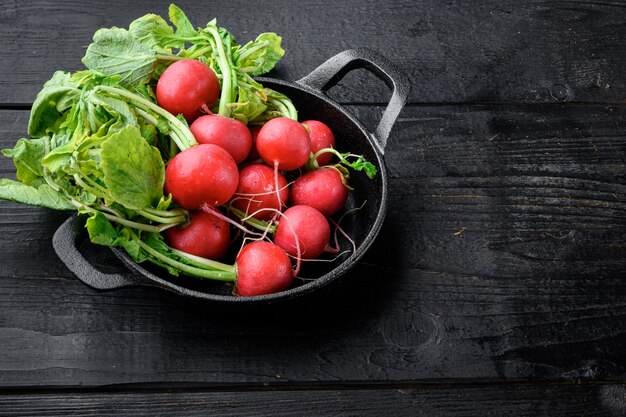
x=561 y=92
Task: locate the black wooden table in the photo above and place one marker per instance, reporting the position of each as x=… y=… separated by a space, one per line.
x=496 y=287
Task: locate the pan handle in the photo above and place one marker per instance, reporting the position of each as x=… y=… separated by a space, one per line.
x=334 y=69
x=65 y=245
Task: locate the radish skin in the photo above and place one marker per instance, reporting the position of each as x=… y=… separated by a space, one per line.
x=322 y=189
x=205 y=236
x=321 y=137
x=262 y=268
x=257 y=190
x=305 y=227
x=186 y=87
x=229 y=134
x=254 y=154
x=203 y=174
x=285 y=143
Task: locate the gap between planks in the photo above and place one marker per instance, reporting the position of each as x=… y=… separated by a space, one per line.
x=28 y=106
x=301 y=386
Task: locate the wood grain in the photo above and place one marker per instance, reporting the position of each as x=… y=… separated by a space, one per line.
x=500 y=400
x=496 y=287
x=456 y=51
x=502 y=257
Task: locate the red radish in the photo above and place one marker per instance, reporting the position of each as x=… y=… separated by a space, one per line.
x=203 y=174
x=321 y=137
x=205 y=236
x=309 y=226
x=254 y=154
x=257 y=190
x=284 y=142
x=322 y=189
x=187 y=87
x=230 y=134
x=262 y=268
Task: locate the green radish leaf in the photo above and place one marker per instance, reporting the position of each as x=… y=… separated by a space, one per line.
x=228 y=40
x=367 y=167
x=134 y=250
x=115 y=52
x=153 y=240
x=184 y=28
x=27 y=155
x=57 y=95
x=59 y=157
x=359 y=165
x=145 y=91
x=101 y=231
x=86 y=197
x=126 y=213
x=150 y=134
x=261 y=55
x=134 y=172
x=164 y=202
x=154 y=32
x=118 y=108
x=266 y=116
x=156 y=242
x=249 y=105
x=42 y=196
x=88 y=79
x=60 y=106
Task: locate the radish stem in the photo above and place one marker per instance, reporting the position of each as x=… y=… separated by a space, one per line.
x=227 y=273
x=225 y=68
x=184 y=138
x=256 y=223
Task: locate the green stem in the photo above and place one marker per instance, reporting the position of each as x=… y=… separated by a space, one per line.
x=225 y=68
x=111 y=217
x=163 y=220
x=203 y=262
x=279 y=106
x=361 y=164
x=286 y=107
x=124 y=222
x=293 y=113
x=167 y=213
x=169 y=57
x=251 y=80
x=251 y=69
x=87 y=187
x=328 y=150
x=256 y=223
x=200 y=52
x=149 y=118
x=92 y=182
x=183 y=137
x=312 y=164
x=223 y=275
x=174 y=138
x=173 y=148
x=252 y=50
x=108 y=210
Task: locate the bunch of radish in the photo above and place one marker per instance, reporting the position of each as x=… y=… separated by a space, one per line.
x=237 y=178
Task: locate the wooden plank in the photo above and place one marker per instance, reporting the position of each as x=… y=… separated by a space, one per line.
x=492 y=400
x=498 y=51
x=502 y=257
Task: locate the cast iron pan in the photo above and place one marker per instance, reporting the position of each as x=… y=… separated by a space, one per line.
x=309 y=97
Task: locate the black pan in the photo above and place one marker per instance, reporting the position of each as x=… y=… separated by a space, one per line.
x=309 y=97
